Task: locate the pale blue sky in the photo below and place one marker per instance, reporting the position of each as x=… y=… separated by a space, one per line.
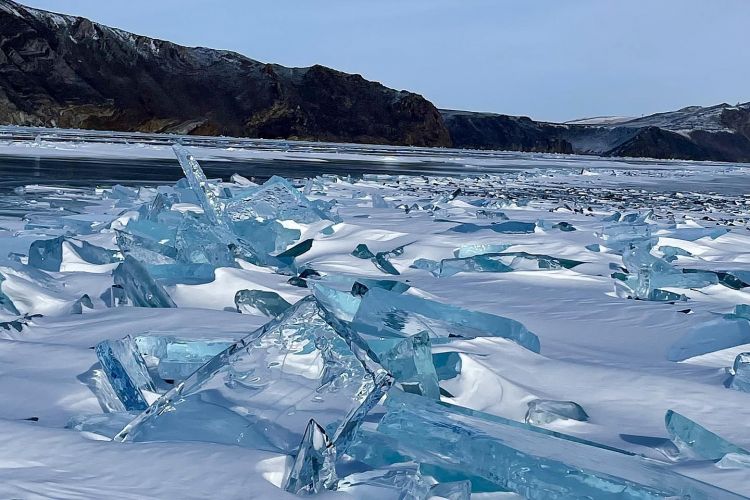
x=548 y=59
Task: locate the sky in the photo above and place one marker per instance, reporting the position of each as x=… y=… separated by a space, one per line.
x=551 y=60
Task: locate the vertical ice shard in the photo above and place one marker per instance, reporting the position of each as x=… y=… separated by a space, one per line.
x=741 y=373
x=269 y=304
x=127 y=373
x=314 y=468
x=138 y=285
x=409 y=360
x=263 y=390
x=692 y=436
x=545 y=411
x=206 y=193
x=388 y=314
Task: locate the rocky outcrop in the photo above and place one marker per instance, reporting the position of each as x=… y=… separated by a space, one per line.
x=511 y=133
x=67 y=71
x=720 y=133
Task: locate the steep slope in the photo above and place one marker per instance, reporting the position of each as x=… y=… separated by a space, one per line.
x=66 y=71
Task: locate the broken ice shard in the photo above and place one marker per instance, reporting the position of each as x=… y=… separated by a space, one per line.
x=205 y=191
x=649 y=275
x=176 y=358
x=380 y=259
x=276 y=199
x=447 y=365
x=741 y=373
x=671 y=253
x=48 y=254
x=487 y=263
x=389 y=314
x=403 y=479
x=528 y=460
x=692 y=436
x=546 y=411
x=139 y=287
x=478 y=249
x=362 y=252
x=263 y=302
x=127 y=373
x=314 y=467
x=262 y=391
x=457 y=490
x=6 y=304
x=409 y=360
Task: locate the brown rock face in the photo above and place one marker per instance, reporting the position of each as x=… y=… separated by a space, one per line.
x=67 y=71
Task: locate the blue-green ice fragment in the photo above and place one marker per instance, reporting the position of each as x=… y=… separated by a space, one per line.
x=528 y=460
x=138 y=285
x=47 y=254
x=741 y=373
x=388 y=314
x=457 y=490
x=267 y=303
x=127 y=373
x=546 y=411
x=176 y=358
x=362 y=252
x=314 y=467
x=447 y=365
x=409 y=360
x=690 y=435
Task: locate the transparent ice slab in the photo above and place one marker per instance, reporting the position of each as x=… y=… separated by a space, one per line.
x=388 y=315
x=314 y=467
x=139 y=287
x=269 y=304
x=127 y=373
x=649 y=275
x=262 y=391
x=174 y=358
x=692 y=436
x=535 y=463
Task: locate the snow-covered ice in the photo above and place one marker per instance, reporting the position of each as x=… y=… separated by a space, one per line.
x=537 y=332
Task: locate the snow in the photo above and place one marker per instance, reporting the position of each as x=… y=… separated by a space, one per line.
x=606 y=353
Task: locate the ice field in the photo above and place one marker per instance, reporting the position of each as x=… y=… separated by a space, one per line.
x=374 y=322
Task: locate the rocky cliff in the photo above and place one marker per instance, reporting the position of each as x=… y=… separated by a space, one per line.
x=66 y=71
